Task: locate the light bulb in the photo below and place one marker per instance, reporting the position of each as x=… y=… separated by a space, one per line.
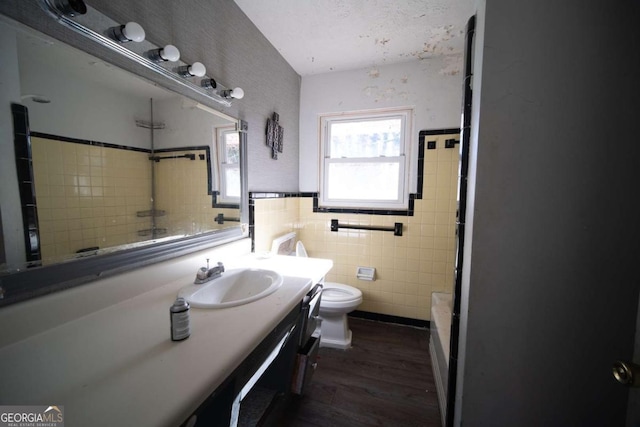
x=196 y=69
x=170 y=53
x=131 y=31
x=236 y=93
x=167 y=53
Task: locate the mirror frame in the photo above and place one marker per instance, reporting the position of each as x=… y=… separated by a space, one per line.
x=39 y=281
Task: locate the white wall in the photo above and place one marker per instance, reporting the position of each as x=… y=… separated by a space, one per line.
x=185 y=124
x=551 y=281
x=82 y=107
x=432 y=86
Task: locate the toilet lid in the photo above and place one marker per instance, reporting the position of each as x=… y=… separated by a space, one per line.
x=300 y=250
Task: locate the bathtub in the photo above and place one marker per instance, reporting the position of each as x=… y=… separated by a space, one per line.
x=440 y=326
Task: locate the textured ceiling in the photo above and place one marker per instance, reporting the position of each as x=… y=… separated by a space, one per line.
x=320 y=36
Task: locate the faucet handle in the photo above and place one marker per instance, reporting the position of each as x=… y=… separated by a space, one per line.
x=202 y=273
x=221 y=266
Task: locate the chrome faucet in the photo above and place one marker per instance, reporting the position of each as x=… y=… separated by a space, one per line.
x=205 y=274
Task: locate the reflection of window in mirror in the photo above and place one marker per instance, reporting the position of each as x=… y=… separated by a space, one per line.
x=228 y=148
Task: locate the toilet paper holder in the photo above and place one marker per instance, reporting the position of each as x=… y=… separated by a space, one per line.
x=366 y=273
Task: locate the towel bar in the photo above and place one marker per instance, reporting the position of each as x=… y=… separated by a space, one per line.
x=396 y=229
x=220 y=219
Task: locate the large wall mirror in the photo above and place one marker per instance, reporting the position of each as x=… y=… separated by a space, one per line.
x=111 y=170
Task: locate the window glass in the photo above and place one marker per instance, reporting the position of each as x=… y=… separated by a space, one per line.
x=229 y=165
x=366 y=138
x=232 y=180
x=232 y=147
x=366 y=181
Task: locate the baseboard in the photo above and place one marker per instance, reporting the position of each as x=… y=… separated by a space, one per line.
x=390 y=319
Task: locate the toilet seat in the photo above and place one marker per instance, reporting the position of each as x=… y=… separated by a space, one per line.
x=337 y=296
x=337 y=292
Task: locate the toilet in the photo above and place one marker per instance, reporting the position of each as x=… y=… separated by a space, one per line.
x=337 y=300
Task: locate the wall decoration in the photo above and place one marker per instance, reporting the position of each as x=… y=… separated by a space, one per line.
x=274 y=135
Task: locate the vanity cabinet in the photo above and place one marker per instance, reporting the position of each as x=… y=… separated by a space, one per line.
x=102 y=362
x=259 y=388
x=306 y=364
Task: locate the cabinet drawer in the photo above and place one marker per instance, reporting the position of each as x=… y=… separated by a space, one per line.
x=305 y=365
x=310 y=311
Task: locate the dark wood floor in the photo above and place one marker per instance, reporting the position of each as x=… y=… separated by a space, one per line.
x=385 y=379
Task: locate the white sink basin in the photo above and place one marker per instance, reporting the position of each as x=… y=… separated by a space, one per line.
x=234 y=287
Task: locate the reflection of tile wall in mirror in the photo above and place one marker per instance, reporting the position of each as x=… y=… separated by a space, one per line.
x=182 y=191
x=100 y=197
x=124 y=103
x=88 y=196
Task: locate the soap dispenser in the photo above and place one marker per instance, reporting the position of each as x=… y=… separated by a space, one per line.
x=180 y=322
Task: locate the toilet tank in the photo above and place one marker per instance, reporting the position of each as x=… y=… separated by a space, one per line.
x=284 y=245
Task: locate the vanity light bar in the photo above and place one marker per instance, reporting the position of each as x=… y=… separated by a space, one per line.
x=142 y=52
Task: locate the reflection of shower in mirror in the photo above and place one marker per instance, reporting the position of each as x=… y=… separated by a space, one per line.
x=87 y=165
x=90 y=156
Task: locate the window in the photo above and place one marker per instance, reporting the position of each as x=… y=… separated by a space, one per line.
x=229 y=164
x=365 y=163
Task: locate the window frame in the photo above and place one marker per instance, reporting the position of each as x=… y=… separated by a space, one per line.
x=223 y=165
x=403 y=159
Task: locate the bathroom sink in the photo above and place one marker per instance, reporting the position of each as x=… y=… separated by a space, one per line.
x=235 y=287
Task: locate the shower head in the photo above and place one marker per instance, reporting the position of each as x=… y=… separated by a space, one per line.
x=40 y=99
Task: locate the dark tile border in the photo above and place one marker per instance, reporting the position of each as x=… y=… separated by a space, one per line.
x=255 y=195
x=386 y=318
x=438 y=132
x=421 y=147
x=24 y=168
x=214 y=194
x=413 y=196
x=216 y=204
x=407 y=212
x=87 y=142
x=460 y=227
x=275 y=195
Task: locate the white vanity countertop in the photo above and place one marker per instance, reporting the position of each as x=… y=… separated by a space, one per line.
x=118 y=366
